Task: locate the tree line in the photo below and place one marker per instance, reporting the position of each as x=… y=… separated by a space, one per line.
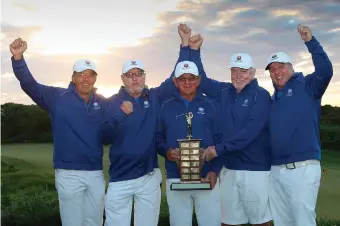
x=30 y=124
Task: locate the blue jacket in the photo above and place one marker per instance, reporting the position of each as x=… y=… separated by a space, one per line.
x=133 y=144
x=172 y=125
x=295 y=114
x=244 y=120
x=75 y=124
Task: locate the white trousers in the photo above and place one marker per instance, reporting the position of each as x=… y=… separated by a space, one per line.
x=245 y=197
x=293 y=195
x=207 y=206
x=145 y=191
x=81 y=197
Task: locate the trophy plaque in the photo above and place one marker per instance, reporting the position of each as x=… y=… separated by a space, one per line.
x=190 y=163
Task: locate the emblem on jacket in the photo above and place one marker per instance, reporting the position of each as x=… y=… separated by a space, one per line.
x=245 y=103
x=96 y=106
x=289 y=93
x=146 y=104
x=201 y=111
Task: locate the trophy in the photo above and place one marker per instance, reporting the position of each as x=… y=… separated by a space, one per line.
x=190 y=163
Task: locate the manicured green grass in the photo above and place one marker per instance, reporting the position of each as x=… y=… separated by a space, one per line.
x=37 y=160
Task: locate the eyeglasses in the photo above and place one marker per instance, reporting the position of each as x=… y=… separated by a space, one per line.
x=137 y=74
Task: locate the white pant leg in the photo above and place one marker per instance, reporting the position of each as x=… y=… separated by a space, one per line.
x=232 y=211
x=255 y=196
x=208 y=206
x=279 y=199
x=71 y=186
x=180 y=205
x=302 y=186
x=148 y=199
x=118 y=203
x=94 y=199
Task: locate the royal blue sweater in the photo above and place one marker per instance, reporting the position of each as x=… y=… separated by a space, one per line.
x=133 y=145
x=244 y=120
x=295 y=114
x=172 y=126
x=77 y=142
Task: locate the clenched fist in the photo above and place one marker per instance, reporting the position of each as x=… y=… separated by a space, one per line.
x=305 y=32
x=196 y=41
x=127 y=107
x=184 y=32
x=17 y=48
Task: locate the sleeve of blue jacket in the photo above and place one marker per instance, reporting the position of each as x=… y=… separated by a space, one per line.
x=208 y=86
x=161 y=145
x=217 y=163
x=318 y=81
x=167 y=87
x=44 y=96
x=258 y=119
x=113 y=116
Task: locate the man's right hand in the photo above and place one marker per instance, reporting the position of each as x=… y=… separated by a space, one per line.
x=196 y=41
x=172 y=154
x=127 y=107
x=17 y=48
x=184 y=32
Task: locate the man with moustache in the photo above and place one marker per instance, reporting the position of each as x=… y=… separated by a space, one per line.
x=294 y=130
x=76 y=115
x=134 y=173
x=245 y=145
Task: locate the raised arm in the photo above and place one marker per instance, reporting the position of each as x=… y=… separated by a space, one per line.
x=167 y=87
x=318 y=81
x=209 y=86
x=42 y=95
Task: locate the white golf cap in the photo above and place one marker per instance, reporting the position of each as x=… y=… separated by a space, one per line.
x=130 y=64
x=241 y=60
x=279 y=57
x=185 y=67
x=84 y=64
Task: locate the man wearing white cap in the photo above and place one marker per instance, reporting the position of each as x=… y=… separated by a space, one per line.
x=134 y=173
x=245 y=109
x=172 y=126
x=294 y=130
x=76 y=114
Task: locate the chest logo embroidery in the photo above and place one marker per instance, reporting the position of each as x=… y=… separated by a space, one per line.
x=201 y=111
x=146 y=104
x=245 y=103
x=96 y=106
x=290 y=93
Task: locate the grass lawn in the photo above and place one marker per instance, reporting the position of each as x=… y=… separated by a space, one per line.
x=38 y=158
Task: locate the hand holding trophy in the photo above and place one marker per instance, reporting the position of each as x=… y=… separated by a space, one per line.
x=190 y=162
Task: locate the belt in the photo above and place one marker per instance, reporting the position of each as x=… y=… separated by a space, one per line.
x=295 y=165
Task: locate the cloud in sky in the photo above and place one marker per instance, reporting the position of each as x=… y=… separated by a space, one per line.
x=110 y=32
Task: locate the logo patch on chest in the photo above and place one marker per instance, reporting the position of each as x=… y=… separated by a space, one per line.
x=289 y=93
x=201 y=111
x=146 y=104
x=96 y=106
x=245 y=103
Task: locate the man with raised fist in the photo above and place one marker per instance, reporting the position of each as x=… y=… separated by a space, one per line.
x=76 y=115
x=294 y=130
x=172 y=125
x=135 y=176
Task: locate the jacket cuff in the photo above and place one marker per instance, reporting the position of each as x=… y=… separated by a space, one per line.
x=312 y=44
x=18 y=63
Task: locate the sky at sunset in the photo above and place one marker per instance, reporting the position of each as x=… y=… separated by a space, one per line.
x=111 y=32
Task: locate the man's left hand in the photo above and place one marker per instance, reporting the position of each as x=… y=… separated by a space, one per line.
x=210 y=177
x=209 y=153
x=305 y=32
